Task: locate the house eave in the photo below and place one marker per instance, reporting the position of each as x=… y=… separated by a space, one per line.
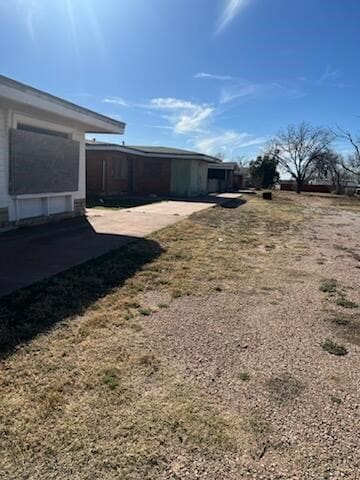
x=92 y=122
x=222 y=166
x=120 y=148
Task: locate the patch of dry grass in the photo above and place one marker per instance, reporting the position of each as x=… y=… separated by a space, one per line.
x=83 y=393
x=323 y=200
x=347 y=327
x=284 y=387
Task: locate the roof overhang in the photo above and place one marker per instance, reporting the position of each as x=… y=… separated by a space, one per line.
x=223 y=166
x=92 y=122
x=133 y=151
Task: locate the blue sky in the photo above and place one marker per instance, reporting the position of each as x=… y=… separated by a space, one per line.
x=212 y=75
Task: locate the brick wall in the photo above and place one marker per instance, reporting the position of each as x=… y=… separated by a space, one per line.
x=140 y=175
x=151 y=175
x=100 y=173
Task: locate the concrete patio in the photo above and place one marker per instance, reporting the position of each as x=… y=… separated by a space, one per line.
x=28 y=255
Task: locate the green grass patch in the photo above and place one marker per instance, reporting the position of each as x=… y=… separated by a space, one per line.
x=335 y=399
x=334 y=348
x=244 y=376
x=176 y=294
x=163 y=305
x=110 y=378
x=328 y=286
x=340 y=320
x=345 y=303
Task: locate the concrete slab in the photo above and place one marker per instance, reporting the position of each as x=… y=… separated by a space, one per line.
x=31 y=254
x=145 y=219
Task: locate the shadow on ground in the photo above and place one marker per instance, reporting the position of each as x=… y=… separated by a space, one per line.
x=233 y=203
x=118 y=202
x=30 y=311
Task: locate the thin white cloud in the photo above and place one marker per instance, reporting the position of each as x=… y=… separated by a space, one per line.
x=172 y=103
x=194 y=121
x=212 y=76
x=184 y=116
x=231 y=10
x=248 y=90
x=330 y=73
x=228 y=142
x=116 y=101
x=239 y=91
x=28 y=12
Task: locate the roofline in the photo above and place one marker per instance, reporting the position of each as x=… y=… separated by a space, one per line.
x=100 y=123
x=142 y=153
x=224 y=166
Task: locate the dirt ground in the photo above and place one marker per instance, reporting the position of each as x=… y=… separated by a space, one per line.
x=258 y=351
x=231 y=351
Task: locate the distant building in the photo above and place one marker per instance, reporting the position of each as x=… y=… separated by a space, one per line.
x=227 y=177
x=113 y=169
x=290 y=185
x=242 y=177
x=321 y=185
x=221 y=177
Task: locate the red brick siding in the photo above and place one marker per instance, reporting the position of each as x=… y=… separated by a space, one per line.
x=114 y=185
x=151 y=175
x=95 y=171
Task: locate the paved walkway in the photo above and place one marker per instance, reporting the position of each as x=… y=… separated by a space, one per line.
x=31 y=254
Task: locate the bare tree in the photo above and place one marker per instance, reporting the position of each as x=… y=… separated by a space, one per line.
x=331 y=167
x=220 y=156
x=242 y=160
x=299 y=148
x=352 y=161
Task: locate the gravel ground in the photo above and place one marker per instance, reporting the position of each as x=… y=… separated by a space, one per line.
x=204 y=352
x=258 y=353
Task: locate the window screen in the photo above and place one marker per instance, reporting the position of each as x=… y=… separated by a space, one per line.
x=41 y=163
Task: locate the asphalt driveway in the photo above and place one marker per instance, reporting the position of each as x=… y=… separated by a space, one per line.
x=31 y=254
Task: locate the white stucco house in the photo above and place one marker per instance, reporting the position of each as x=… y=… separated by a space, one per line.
x=42 y=154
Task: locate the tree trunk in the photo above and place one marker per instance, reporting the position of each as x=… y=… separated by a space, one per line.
x=298 y=187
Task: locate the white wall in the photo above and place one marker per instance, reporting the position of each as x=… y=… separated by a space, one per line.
x=26 y=205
